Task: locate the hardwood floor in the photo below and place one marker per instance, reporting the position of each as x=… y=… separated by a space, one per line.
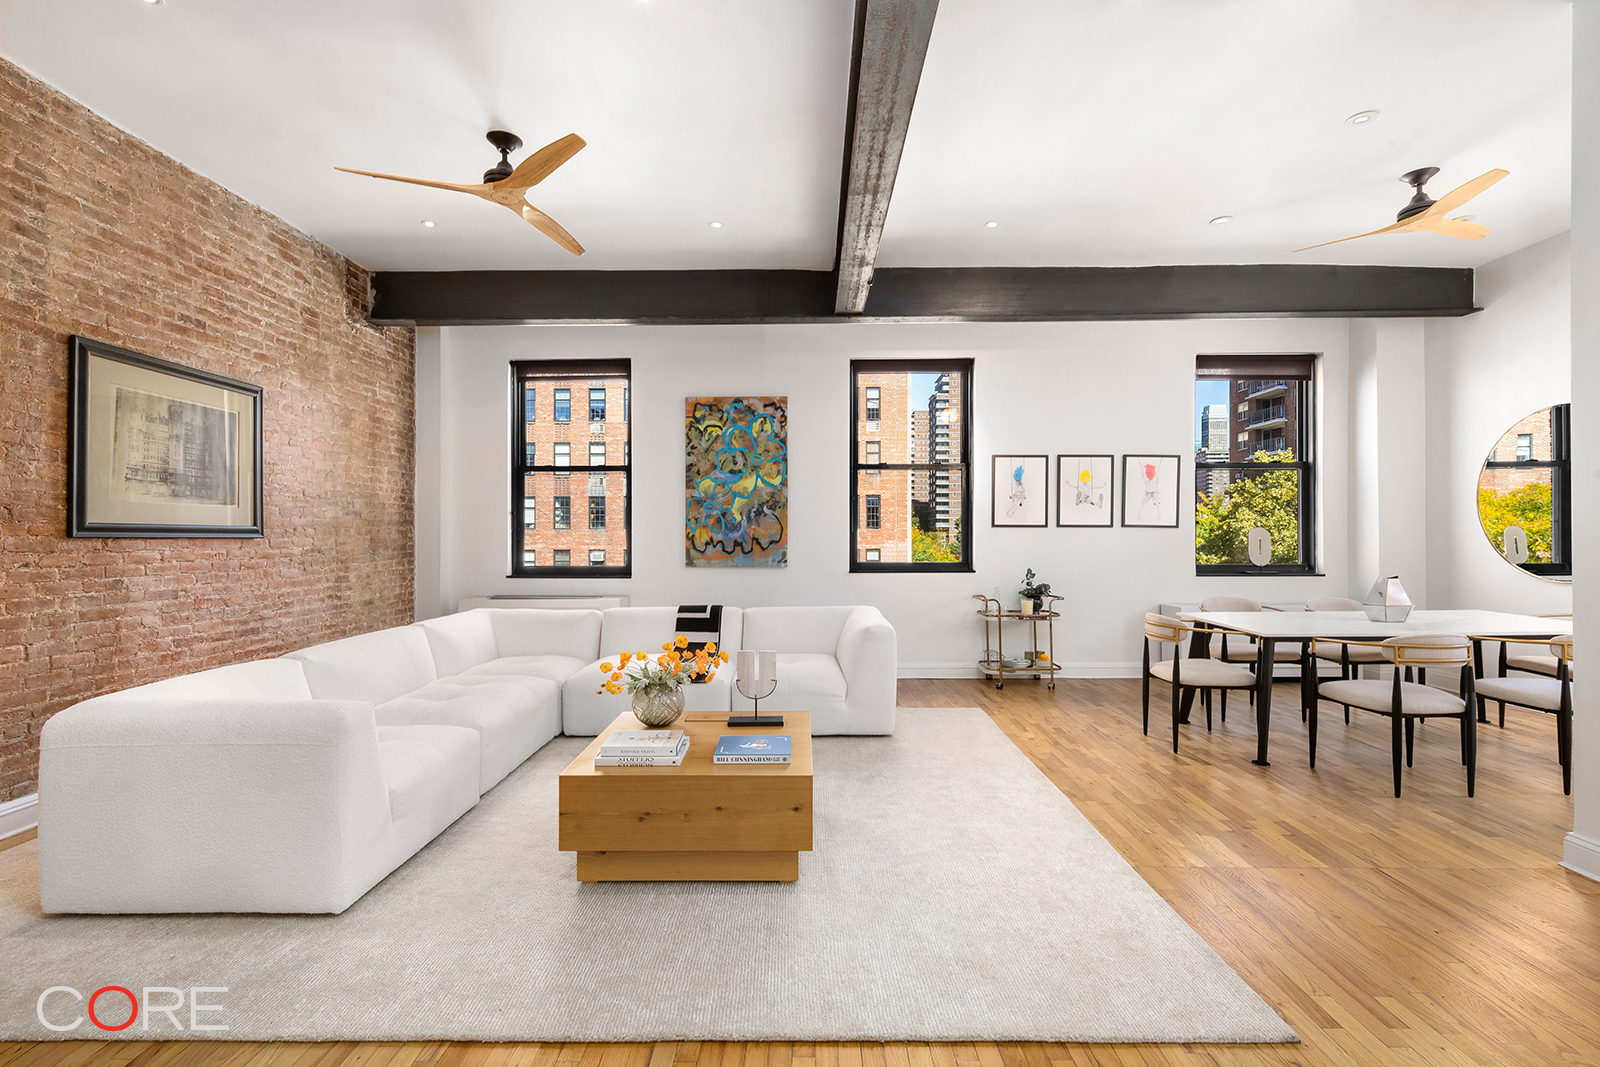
x=1430 y=930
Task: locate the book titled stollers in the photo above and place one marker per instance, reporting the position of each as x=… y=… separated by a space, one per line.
x=748 y=748
x=643 y=748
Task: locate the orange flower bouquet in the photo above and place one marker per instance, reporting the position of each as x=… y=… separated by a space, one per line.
x=657 y=685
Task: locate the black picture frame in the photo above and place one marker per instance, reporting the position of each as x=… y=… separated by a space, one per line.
x=1110 y=489
x=217 y=423
x=1131 y=485
x=994 y=491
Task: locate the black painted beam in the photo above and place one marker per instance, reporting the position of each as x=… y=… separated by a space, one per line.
x=892 y=43
x=922 y=294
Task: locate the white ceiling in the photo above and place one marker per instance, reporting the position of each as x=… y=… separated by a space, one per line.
x=1109 y=132
x=1094 y=131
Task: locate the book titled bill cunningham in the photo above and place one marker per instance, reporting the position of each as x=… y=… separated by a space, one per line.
x=751 y=748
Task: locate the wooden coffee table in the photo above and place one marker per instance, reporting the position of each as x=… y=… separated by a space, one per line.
x=697 y=822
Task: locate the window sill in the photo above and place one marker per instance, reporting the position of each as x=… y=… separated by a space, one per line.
x=1250 y=570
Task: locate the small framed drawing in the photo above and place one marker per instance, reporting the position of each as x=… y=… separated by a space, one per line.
x=159 y=449
x=1150 y=491
x=1021 y=484
x=1084 y=491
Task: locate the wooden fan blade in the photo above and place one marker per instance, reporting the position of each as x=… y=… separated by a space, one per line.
x=539 y=166
x=1457 y=228
x=475 y=190
x=1403 y=225
x=1462 y=193
x=550 y=228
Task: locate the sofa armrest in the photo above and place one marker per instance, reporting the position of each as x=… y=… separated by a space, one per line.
x=150 y=804
x=867 y=658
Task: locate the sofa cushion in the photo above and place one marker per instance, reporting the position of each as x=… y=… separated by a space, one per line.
x=374 y=667
x=807 y=681
x=647 y=629
x=555 y=668
x=539 y=632
x=460 y=641
x=514 y=716
x=264 y=679
x=795 y=629
x=585 y=712
x=424 y=768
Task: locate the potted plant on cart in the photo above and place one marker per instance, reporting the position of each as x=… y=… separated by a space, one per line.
x=1033 y=594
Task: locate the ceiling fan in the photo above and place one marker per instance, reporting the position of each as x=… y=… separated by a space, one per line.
x=504 y=185
x=1426 y=213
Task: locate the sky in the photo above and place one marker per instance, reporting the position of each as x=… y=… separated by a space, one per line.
x=1208 y=391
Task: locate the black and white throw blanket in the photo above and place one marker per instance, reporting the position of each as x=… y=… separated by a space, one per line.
x=702 y=625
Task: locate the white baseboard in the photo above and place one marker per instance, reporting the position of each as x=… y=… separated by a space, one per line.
x=1065 y=670
x=19 y=815
x=1580 y=854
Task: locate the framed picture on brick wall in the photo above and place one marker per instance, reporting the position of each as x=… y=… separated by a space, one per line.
x=159 y=449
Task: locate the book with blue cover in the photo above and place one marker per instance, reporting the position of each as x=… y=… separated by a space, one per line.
x=752 y=748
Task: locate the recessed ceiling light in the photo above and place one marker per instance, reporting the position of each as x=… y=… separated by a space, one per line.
x=716 y=225
x=428 y=223
x=1221 y=220
x=991 y=224
x=1361 y=118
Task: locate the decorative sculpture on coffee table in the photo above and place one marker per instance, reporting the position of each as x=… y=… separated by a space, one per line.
x=756 y=675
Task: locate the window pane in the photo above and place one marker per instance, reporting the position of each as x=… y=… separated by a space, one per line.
x=563 y=454
x=530 y=512
x=529 y=455
x=874 y=452
x=1237 y=420
x=910 y=529
x=563 y=405
x=597 y=404
x=1234 y=505
x=597 y=453
x=561 y=557
x=597 y=524
x=1527 y=440
x=528 y=408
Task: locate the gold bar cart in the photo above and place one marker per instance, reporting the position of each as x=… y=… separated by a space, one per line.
x=1039 y=662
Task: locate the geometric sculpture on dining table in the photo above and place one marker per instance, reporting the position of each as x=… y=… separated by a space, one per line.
x=1387 y=601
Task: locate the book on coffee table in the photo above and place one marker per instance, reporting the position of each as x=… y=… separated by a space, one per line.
x=642 y=743
x=666 y=759
x=751 y=748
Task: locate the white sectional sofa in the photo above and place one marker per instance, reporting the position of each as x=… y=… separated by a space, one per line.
x=296 y=784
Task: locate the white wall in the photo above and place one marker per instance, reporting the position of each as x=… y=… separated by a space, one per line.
x=1038 y=388
x=1582 y=849
x=1388 y=442
x=1484 y=373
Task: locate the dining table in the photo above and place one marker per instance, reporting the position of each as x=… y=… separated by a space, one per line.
x=1269 y=628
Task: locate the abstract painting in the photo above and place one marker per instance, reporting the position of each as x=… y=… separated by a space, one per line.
x=1150 y=491
x=737 y=481
x=1084 y=491
x=1020 y=487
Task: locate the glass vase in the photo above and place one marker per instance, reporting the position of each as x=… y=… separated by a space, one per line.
x=656 y=708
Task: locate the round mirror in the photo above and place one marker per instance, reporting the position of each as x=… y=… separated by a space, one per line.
x=1525 y=494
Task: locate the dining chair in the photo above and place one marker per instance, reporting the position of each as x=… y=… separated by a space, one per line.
x=1203 y=675
x=1243 y=649
x=1349 y=659
x=1530 y=663
x=1405 y=702
x=1551 y=695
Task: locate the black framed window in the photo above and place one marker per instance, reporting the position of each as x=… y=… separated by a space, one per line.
x=910 y=484
x=1527 y=481
x=1254 y=462
x=595 y=542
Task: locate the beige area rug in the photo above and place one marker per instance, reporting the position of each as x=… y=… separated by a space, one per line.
x=954 y=894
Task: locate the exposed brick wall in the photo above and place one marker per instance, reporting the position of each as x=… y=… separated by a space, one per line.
x=103 y=236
